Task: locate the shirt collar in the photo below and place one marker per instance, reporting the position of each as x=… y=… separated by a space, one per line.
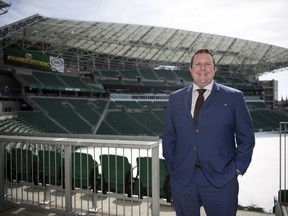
x=207 y=87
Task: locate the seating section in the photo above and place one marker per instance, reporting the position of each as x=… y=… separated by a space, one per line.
x=73 y=82
x=142 y=117
x=120 y=117
x=18 y=125
x=148 y=74
x=167 y=79
x=84 y=108
x=131 y=74
x=49 y=80
x=31 y=81
x=41 y=121
x=64 y=109
x=267 y=119
x=149 y=120
x=256 y=105
x=128 y=126
x=66 y=115
x=53 y=81
x=166 y=74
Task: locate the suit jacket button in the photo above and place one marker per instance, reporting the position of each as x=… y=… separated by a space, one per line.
x=197 y=130
x=195 y=148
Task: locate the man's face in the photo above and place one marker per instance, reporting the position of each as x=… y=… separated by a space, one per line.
x=202 y=69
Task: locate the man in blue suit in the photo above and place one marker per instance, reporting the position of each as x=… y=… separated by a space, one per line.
x=204 y=158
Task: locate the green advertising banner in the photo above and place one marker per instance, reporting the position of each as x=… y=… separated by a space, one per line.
x=22 y=58
x=33 y=60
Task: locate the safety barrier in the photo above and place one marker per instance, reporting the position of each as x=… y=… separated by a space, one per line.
x=83 y=173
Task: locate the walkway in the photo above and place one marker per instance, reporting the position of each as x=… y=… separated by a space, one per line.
x=165 y=211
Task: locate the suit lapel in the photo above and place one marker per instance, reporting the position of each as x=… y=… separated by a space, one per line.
x=214 y=91
x=188 y=101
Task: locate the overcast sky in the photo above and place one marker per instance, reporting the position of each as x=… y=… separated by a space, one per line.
x=264 y=21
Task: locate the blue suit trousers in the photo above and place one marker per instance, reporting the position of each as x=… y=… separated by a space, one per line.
x=189 y=198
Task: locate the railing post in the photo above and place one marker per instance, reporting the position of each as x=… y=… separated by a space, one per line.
x=68 y=178
x=283 y=193
x=155 y=182
x=2 y=183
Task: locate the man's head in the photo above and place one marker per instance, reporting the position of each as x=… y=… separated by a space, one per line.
x=202 y=67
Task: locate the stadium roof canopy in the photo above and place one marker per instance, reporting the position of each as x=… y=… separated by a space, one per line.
x=4 y=7
x=99 y=45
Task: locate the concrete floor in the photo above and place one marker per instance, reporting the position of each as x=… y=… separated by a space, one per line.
x=109 y=204
x=165 y=211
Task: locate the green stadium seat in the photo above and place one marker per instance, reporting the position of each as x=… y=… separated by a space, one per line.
x=23 y=165
x=116 y=173
x=144 y=170
x=85 y=171
x=7 y=162
x=51 y=164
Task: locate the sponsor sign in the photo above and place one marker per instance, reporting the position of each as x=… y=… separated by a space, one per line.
x=57 y=64
x=33 y=60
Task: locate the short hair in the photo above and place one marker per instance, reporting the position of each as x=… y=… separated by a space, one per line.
x=202 y=51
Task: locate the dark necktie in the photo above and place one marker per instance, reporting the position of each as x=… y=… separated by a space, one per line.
x=199 y=102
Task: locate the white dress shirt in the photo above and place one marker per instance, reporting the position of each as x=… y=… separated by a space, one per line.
x=195 y=95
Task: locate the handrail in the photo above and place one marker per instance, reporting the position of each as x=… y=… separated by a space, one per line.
x=68 y=141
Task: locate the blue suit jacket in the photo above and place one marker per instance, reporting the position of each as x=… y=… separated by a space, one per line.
x=223 y=141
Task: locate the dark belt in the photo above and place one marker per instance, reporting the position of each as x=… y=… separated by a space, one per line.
x=197 y=164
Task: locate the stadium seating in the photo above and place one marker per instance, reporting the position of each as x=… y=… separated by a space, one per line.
x=111 y=73
x=124 y=124
x=148 y=120
x=73 y=82
x=148 y=74
x=30 y=81
x=166 y=74
x=88 y=113
x=49 y=80
x=40 y=120
x=266 y=120
x=17 y=126
x=131 y=74
x=65 y=114
x=52 y=81
x=82 y=107
x=135 y=83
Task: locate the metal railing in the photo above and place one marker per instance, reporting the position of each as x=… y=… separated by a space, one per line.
x=61 y=180
x=283 y=160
